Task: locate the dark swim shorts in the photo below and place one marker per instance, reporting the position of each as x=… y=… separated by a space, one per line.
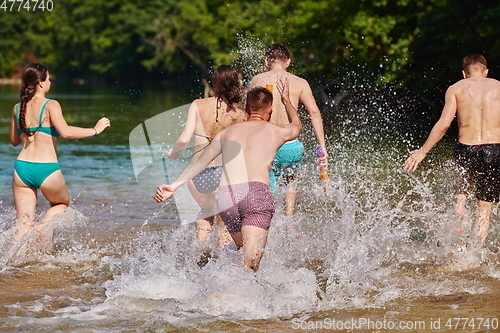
x=245 y=204
x=208 y=180
x=479 y=167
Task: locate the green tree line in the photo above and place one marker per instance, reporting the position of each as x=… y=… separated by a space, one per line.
x=416 y=43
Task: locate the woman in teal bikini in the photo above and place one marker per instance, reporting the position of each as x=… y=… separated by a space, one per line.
x=207 y=117
x=36 y=124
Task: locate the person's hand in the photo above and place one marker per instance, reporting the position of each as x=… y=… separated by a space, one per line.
x=414 y=160
x=323 y=160
x=102 y=124
x=163 y=193
x=283 y=87
x=321 y=157
x=173 y=155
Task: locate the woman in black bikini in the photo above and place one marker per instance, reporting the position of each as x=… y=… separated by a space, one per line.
x=207 y=117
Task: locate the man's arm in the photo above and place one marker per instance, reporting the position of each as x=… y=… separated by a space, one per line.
x=437 y=132
x=295 y=126
x=164 y=192
x=307 y=98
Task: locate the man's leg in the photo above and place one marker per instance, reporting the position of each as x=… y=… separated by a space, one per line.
x=460 y=211
x=482 y=223
x=254 y=241
x=288 y=158
x=289 y=200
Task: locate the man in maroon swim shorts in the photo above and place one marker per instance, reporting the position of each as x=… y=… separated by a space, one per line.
x=248 y=148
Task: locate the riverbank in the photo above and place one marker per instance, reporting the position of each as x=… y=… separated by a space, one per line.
x=11 y=81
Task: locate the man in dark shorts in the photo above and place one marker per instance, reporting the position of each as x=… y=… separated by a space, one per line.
x=475 y=100
x=248 y=148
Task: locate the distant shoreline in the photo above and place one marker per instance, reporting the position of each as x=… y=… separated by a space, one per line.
x=10 y=81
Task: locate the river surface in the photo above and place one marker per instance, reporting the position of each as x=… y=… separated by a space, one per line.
x=375 y=252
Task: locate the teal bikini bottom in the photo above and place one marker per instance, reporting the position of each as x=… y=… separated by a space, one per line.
x=33 y=174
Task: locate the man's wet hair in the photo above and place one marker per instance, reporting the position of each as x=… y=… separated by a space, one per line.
x=258 y=98
x=474 y=62
x=277 y=51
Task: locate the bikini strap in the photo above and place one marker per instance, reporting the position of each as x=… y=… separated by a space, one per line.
x=42 y=111
x=204 y=136
x=204 y=147
x=218 y=105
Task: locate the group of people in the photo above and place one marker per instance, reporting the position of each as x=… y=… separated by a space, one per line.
x=239 y=153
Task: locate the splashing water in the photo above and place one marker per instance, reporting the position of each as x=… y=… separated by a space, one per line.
x=378 y=243
x=249 y=57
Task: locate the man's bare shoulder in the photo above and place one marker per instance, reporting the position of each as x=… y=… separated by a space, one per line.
x=296 y=78
x=251 y=127
x=298 y=84
x=481 y=83
x=493 y=82
x=259 y=78
x=260 y=75
x=458 y=85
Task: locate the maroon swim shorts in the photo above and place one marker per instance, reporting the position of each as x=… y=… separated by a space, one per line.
x=245 y=204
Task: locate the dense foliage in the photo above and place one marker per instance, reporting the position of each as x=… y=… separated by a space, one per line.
x=400 y=42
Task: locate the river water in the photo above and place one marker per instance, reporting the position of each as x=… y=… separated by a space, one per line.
x=375 y=253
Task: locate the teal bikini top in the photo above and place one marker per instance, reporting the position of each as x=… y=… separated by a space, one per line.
x=44 y=129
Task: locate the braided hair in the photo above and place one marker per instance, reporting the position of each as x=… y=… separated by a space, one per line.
x=32 y=75
x=227 y=85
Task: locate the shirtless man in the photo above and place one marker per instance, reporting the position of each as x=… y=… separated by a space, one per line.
x=289 y=156
x=248 y=148
x=206 y=117
x=476 y=102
